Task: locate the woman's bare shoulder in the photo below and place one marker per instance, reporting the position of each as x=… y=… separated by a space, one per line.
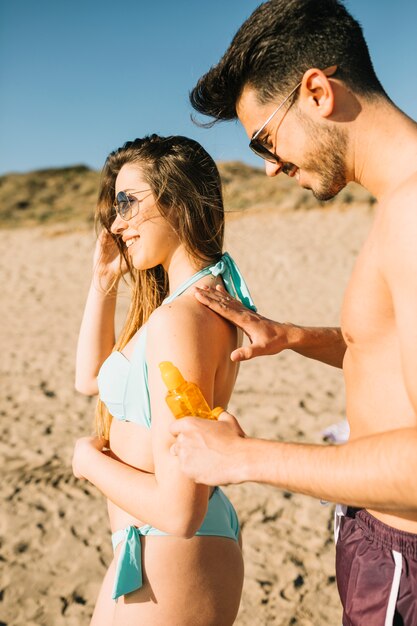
x=186 y=316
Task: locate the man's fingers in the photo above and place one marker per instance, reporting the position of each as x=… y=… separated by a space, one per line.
x=221 y=289
x=238 y=355
x=221 y=303
x=210 y=296
x=226 y=417
x=230 y=419
x=182 y=425
x=252 y=324
x=243 y=354
x=177 y=426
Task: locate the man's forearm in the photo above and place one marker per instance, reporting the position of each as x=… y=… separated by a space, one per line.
x=322 y=344
x=373 y=472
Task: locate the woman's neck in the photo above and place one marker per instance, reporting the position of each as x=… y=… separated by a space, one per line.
x=180 y=267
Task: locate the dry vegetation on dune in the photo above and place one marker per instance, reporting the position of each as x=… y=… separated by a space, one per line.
x=68 y=195
x=49 y=196
x=247 y=187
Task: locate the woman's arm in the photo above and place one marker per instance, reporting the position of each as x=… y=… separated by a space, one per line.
x=168 y=500
x=96 y=338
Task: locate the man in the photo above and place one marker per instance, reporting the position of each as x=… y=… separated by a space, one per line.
x=299 y=78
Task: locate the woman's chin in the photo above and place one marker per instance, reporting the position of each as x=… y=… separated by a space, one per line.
x=143 y=264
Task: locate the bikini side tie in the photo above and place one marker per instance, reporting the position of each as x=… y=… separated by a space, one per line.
x=129 y=565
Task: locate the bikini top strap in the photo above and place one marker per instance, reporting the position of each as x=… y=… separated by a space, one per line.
x=204 y=272
x=232 y=278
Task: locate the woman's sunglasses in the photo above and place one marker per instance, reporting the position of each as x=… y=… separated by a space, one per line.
x=127 y=205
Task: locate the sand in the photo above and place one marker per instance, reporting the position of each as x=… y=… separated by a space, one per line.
x=53 y=528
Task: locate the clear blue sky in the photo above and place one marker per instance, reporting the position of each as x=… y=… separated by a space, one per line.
x=79 y=78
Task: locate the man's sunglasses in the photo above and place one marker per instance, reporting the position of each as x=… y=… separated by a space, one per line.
x=256 y=144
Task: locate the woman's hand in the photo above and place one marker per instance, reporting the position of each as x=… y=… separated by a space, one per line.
x=84 y=450
x=107 y=261
x=265 y=335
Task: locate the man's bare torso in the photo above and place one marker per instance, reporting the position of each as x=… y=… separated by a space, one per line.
x=376 y=394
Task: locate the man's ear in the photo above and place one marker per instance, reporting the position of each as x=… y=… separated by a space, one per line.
x=317 y=92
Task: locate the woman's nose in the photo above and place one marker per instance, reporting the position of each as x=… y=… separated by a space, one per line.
x=272 y=169
x=118 y=225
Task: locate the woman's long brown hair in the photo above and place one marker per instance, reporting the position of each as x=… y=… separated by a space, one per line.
x=185 y=181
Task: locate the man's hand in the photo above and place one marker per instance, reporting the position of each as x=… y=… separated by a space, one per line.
x=82 y=454
x=266 y=336
x=209 y=452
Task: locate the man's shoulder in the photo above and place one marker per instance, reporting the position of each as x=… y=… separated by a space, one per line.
x=404 y=197
x=398 y=224
x=398 y=210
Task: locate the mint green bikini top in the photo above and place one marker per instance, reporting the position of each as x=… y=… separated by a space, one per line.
x=123 y=384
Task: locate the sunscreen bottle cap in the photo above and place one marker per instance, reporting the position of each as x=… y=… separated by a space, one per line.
x=171 y=375
x=216 y=412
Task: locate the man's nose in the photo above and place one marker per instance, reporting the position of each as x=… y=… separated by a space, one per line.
x=272 y=169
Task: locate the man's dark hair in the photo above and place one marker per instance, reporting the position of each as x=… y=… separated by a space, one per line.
x=280 y=41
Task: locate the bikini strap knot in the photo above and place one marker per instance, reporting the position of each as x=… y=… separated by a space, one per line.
x=128 y=575
x=233 y=280
x=218 y=268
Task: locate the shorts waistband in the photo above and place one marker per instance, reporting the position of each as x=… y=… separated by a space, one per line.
x=384 y=535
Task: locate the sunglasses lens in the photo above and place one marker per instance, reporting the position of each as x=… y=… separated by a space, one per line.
x=123 y=204
x=263 y=152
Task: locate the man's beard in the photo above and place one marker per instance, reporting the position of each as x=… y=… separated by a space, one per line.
x=326 y=159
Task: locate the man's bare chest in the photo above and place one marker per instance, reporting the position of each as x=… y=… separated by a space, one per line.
x=367 y=312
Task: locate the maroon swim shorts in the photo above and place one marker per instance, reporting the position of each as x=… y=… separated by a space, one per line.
x=376 y=571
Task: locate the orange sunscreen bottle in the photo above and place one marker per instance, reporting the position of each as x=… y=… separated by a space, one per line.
x=185 y=398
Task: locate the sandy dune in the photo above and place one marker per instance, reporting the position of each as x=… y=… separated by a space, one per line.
x=53 y=529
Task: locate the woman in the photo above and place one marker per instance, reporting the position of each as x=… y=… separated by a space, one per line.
x=177 y=554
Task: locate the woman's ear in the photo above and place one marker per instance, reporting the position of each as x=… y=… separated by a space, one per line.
x=317 y=92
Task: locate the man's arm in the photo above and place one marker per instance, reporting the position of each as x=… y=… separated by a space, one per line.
x=321 y=344
x=374 y=472
x=378 y=471
x=269 y=337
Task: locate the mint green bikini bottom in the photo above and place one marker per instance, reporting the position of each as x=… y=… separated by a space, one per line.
x=220 y=521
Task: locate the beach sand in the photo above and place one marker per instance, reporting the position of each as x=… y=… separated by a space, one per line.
x=54 y=534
